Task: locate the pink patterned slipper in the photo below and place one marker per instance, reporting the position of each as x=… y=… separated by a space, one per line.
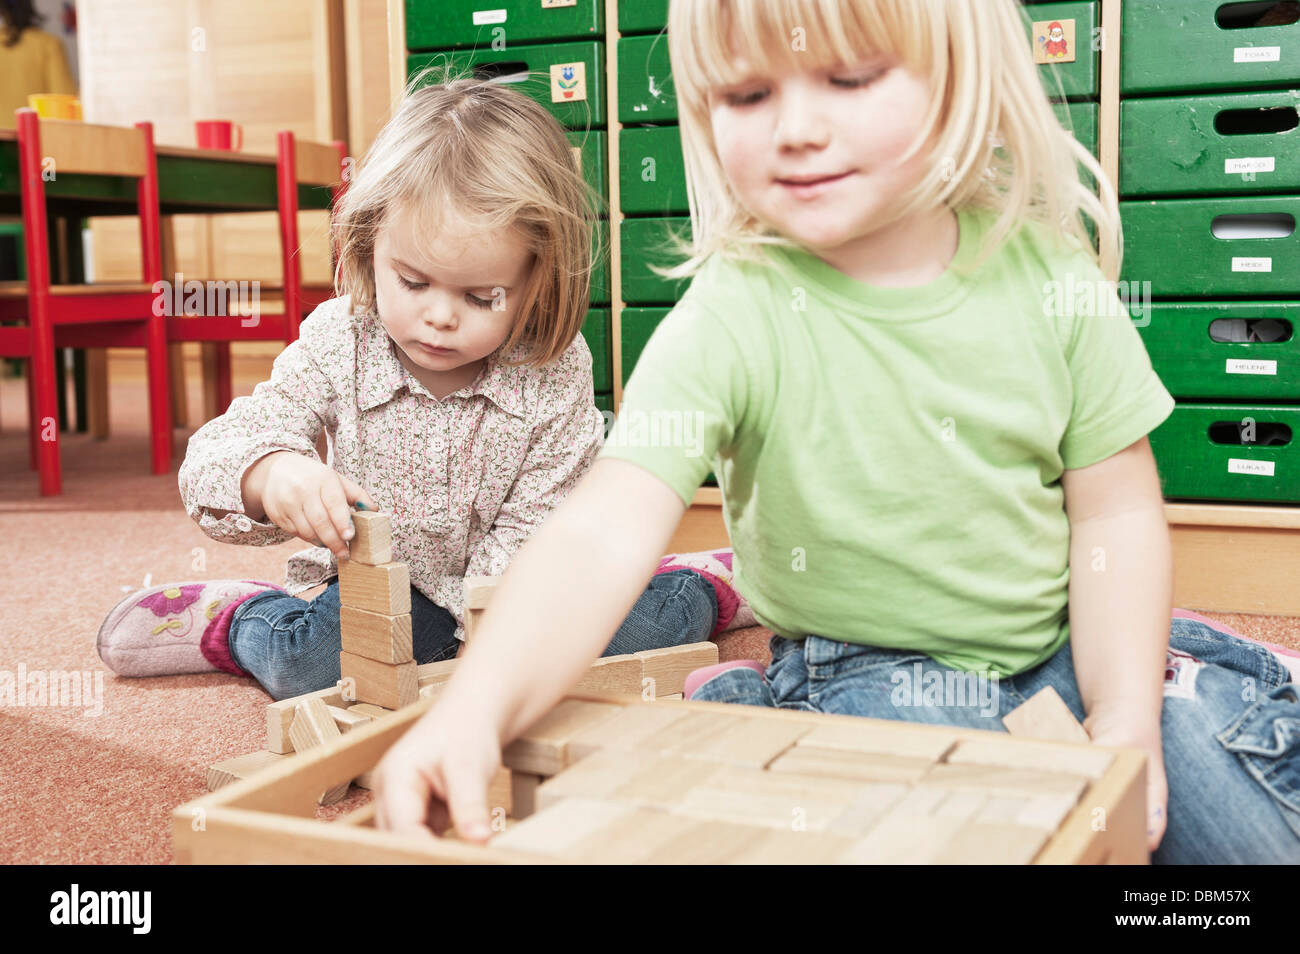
x=715 y=566
x=175 y=628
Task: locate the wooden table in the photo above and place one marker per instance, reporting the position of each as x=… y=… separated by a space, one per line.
x=190 y=182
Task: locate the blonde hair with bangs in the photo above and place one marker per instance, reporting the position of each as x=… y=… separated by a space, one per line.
x=1003 y=147
x=476 y=152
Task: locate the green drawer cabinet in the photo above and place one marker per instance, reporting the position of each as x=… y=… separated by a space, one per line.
x=642 y=16
x=1196 y=364
x=591 y=158
x=1170 y=45
x=596 y=331
x=1079 y=78
x=600 y=283
x=645 y=242
x=605 y=402
x=1190 y=144
x=1170 y=243
x=638 y=325
x=547 y=66
x=1081 y=119
x=652 y=174
x=436 y=24
x=645 y=82
x=1226 y=452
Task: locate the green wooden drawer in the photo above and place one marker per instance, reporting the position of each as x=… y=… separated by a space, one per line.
x=567 y=78
x=1203 y=350
x=438 y=24
x=642 y=16
x=638 y=324
x=600 y=284
x=1170 y=243
x=1222 y=143
x=1226 y=452
x=645 y=82
x=1081 y=119
x=651 y=172
x=644 y=242
x=1080 y=76
x=596 y=330
x=591 y=153
x=1170 y=45
x=605 y=402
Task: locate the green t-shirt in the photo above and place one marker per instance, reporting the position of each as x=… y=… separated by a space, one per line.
x=890 y=458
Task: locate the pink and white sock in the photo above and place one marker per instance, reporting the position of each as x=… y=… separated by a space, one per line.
x=715 y=566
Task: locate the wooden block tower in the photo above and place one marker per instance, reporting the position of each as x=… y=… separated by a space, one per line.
x=377 y=661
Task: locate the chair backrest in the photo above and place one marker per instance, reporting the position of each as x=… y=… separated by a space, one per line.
x=302 y=162
x=91 y=149
x=318 y=163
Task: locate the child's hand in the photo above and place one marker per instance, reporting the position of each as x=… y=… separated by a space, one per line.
x=437 y=776
x=1122 y=734
x=304 y=497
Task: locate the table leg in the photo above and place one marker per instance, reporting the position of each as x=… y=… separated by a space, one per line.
x=97 y=392
x=176 y=369
x=211 y=378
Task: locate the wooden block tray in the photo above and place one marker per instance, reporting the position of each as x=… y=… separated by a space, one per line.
x=613 y=778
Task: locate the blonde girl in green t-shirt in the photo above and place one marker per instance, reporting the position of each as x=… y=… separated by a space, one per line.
x=853 y=130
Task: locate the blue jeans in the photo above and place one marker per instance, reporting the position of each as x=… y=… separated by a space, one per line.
x=1230 y=726
x=291 y=645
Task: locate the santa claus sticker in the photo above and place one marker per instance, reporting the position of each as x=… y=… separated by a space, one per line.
x=1053 y=41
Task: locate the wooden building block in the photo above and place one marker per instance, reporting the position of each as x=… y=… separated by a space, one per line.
x=312 y=726
x=385 y=588
x=903 y=839
x=692 y=733
x=792 y=848
x=523 y=793
x=388 y=685
x=436 y=672
x=770 y=799
x=641 y=835
x=279 y=716
x=376 y=635
x=1002 y=809
x=965 y=804
x=991 y=843
x=240 y=767
x=370 y=709
x=1000 y=780
x=347 y=719
x=669 y=667
x=867 y=808
x=555 y=830
x=373 y=543
x=628 y=728
x=432 y=690
x=845 y=763
x=612 y=674
x=1046 y=811
x=1086 y=760
x=883 y=738
x=753 y=742
x=597 y=775
x=542 y=749
x=1045 y=716
x=479 y=590
x=501 y=793
x=664 y=780
x=473 y=618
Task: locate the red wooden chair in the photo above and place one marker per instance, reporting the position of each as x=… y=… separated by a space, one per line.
x=281 y=307
x=100 y=315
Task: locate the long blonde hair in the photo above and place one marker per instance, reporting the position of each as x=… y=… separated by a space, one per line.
x=1002 y=144
x=484 y=154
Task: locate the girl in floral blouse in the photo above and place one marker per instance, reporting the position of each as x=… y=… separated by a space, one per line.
x=456 y=393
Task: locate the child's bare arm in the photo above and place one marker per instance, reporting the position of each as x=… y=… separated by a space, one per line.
x=1120 y=604
x=554 y=612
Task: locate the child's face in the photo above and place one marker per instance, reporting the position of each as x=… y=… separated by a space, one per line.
x=814 y=154
x=449 y=305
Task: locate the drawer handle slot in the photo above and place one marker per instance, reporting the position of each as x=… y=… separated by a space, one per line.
x=1253 y=225
x=1239 y=330
x=1255 y=122
x=515 y=71
x=1257 y=13
x=1250 y=433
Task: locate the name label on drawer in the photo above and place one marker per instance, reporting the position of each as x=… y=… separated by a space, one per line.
x=1253 y=164
x=1240 y=264
x=1242 y=366
x=489 y=16
x=1257 y=54
x=1261 y=468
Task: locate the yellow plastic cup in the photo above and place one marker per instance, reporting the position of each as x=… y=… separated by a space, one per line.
x=55 y=105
